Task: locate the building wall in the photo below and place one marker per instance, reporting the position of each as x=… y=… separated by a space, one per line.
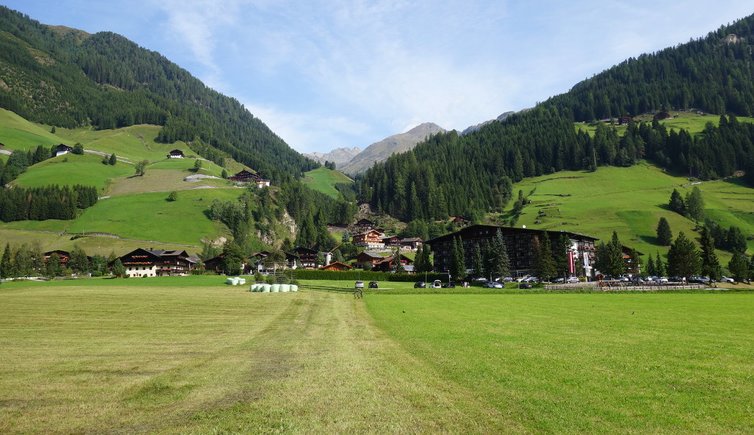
x=141 y=271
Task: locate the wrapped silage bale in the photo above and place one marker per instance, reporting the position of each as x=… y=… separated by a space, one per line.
x=275 y=288
x=265 y=288
x=294 y=288
x=241 y=281
x=285 y=288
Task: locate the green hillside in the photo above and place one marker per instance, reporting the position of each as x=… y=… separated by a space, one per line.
x=71 y=169
x=16 y=133
x=629 y=201
x=324 y=180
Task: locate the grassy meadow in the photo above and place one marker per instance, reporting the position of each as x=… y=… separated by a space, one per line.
x=189 y=354
x=324 y=180
x=70 y=169
x=16 y=133
x=629 y=201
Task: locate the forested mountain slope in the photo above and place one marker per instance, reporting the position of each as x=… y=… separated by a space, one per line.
x=472 y=174
x=68 y=78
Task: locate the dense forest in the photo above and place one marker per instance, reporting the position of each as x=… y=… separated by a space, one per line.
x=68 y=78
x=467 y=175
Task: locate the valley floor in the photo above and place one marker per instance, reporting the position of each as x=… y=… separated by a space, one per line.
x=191 y=355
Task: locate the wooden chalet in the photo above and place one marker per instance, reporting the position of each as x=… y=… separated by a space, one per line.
x=412 y=243
x=459 y=221
x=389 y=263
x=659 y=116
x=62 y=149
x=366 y=260
x=141 y=263
x=336 y=266
x=217 y=265
x=521 y=246
x=372 y=239
x=625 y=119
x=305 y=257
x=245 y=176
x=363 y=225
x=176 y=154
x=63 y=256
x=391 y=241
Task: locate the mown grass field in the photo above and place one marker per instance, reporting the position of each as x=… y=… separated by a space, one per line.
x=324 y=180
x=193 y=355
x=629 y=201
x=70 y=169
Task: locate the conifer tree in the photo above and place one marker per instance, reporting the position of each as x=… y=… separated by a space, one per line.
x=54 y=267
x=664 y=234
x=118 y=269
x=419 y=260
x=739 y=267
x=6 y=263
x=676 y=203
x=695 y=205
x=427 y=261
x=562 y=247
x=495 y=254
x=477 y=262
x=457 y=264
x=683 y=258
x=112 y=160
x=660 y=268
x=651 y=270
x=545 y=265
x=78 y=262
x=710 y=263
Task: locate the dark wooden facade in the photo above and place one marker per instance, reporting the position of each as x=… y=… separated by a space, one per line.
x=520 y=244
x=64 y=256
x=306 y=258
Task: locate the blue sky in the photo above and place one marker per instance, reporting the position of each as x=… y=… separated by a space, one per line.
x=337 y=73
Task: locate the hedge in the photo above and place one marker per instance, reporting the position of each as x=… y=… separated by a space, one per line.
x=365 y=275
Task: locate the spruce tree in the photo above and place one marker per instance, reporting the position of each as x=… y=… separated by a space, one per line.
x=660 y=268
x=118 y=269
x=695 y=205
x=683 y=258
x=79 y=262
x=477 y=262
x=457 y=265
x=545 y=265
x=676 y=203
x=562 y=263
x=6 y=263
x=53 y=266
x=664 y=234
x=113 y=159
x=651 y=270
x=496 y=261
x=710 y=263
x=739 y=267
x=427 y=261
x=419 y=260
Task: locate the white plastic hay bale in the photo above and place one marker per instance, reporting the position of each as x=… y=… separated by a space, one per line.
x=275 y=288
x=294 y=288
x=285 y=288
x=265 y=288
x=254 y=288
x=230 y=281
x=241 y=281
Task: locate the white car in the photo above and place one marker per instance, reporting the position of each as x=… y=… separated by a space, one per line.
x=494 y=284
x=572 y=280
x=728 y=280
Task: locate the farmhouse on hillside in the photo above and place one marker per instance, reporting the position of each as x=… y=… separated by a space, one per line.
x=371 y=239
x=303 y=257
x=245 y=176
x=176 y=154
x=155 y=262
x=520 y=244
x=63 y=256
x=336 y=266
x=62 y=149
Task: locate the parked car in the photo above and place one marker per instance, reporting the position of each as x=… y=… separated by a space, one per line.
x=373 y=284
x=524 y=285
x=572 y=280
x=420 y=284
x=523 y=278
x=559 y=280
x=508 y=279
x=450 y=284
x=494 y=284
x=436 y=283
x=728 y=280
x=359 y=284
x=480 y=279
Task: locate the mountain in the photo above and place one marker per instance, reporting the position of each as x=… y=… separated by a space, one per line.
x=474 y=128
x=399 y=143
x=68 y=78
x=472 y=174
x=338 y=156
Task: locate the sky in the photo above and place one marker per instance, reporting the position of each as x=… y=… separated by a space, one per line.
x=324 y=74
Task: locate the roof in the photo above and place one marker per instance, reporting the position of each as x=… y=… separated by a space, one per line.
x=336 y=264
x=472 y=228
x=370 y=255
x=411 y=239
x=176 y=151
x=305 y=250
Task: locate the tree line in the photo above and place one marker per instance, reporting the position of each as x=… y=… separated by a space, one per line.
x=29 y=260
x=49 y=202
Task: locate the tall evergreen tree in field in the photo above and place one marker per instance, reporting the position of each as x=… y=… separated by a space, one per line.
x=419 y=260
x=6 y=263
x=660 y=268
x=676 y=203
x=739 y=267
x=651 y=270
x=496 y=261
x=477 y=262
x=664 y=234
x=427 y=261
x=457 y=265
x=112 y=160
x=119 y=269
x=695 y=205
x=562 y=263
x=710 y=263
x=683 y=258
x=544 y=263
x=54 y=268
